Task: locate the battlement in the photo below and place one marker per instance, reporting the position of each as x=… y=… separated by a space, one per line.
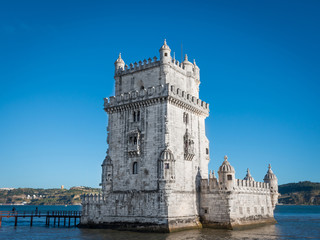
x=212 y=184
x=150 y=63
x=92 y=198
x=252 y=184
x=186 y=97
x=176 y=95
x=137 y=66
x=135 y=96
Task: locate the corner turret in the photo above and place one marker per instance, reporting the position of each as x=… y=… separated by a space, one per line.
x=226 y=175
x=119 y=64
x=187 y=65
x=107 y=175
x=271 y=178
x=165 y=56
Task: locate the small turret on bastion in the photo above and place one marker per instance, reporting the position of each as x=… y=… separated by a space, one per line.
x=155 y=174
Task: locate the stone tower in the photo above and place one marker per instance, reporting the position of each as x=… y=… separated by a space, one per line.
x=155 y=174
x=158 y=149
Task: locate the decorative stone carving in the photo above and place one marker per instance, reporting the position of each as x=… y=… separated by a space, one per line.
x=166 y=166
x=134 y=143
x=188 y=146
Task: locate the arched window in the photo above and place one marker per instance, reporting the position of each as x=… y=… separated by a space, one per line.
x=135 y=168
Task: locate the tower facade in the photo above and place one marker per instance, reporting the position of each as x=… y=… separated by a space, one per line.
x=155 y=174
x=157 y=146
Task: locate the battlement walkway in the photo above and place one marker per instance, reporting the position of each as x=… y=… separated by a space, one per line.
x=67 y=218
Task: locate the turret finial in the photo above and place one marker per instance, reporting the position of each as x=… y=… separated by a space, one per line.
x=165 y=42
x=269 y=167
x=248 y=177
x=186 y=57
x=226 y=158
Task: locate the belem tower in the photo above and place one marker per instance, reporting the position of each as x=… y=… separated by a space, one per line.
x=155 y=175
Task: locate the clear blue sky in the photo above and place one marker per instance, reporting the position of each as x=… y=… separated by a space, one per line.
x=260 y=70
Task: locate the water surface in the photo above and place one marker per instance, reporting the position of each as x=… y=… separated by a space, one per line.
x=294 y=222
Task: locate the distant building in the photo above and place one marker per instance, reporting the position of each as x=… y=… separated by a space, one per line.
x=62 y=187
x=6 y=189
x=77 y=188
x=155 y=174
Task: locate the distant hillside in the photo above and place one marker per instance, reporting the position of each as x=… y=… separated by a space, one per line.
x=31 y=196
x=301 y=193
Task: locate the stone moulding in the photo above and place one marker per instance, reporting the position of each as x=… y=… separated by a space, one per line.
x=153 y=95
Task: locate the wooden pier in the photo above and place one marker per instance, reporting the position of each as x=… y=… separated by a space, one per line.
x=59 y=218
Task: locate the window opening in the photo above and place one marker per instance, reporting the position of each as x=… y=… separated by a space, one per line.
x=138 y=116
x=135 y=168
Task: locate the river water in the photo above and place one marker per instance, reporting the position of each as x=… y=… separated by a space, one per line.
x=294 y=222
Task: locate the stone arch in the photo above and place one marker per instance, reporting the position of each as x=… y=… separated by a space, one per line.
x=166 y=165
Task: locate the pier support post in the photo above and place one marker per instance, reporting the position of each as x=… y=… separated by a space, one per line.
x=31 y=220
x=15 y=221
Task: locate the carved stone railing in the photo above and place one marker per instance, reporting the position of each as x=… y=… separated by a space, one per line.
x=174 y=95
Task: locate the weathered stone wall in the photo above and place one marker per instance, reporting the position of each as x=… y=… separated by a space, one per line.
x=248 y=203
x=138 y=79
x=147 y=211
x=150 y=144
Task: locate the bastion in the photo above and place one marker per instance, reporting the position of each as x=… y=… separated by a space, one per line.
x=155 y=174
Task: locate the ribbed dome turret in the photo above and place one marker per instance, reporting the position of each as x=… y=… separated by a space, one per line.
x=119 y=63
x=270 y=175
x=119 y=60
x=165 y=46
x=226 y=167
x=107 y=161
x=248 y=177
x=186 y=61
x=166 y=155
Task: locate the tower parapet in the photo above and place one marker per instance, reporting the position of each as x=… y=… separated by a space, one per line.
x=158 y=93
x=166 y=64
